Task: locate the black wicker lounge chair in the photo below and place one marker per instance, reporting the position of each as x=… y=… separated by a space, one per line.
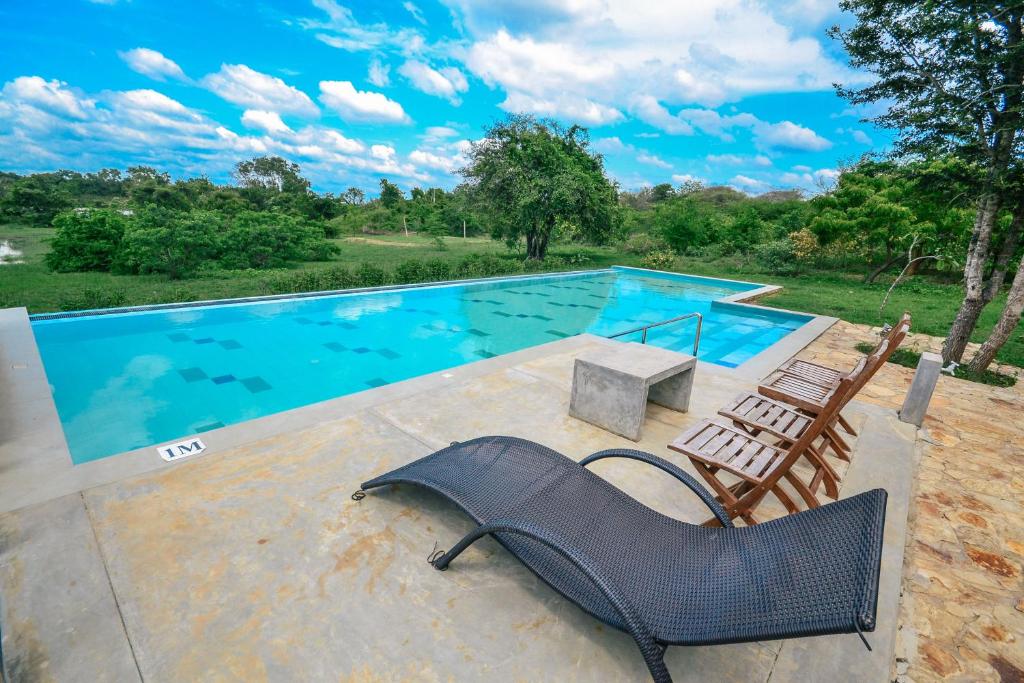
x=663 y=581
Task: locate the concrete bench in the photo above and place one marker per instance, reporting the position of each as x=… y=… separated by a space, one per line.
x=611 y=385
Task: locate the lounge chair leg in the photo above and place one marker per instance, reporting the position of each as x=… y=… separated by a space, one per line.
x=844 y=448
x=802 y=489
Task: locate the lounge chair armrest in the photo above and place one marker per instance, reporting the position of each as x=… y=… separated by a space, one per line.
x=716 y=508
x=652 y=652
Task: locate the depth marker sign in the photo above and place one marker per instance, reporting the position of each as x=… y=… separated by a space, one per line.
x=182 y=449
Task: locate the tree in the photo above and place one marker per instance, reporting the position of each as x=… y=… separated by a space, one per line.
x=390 y=195
x=173 y=243
x=951 y=75
x=528 y=174
x=354 y=196
x=34 y=200
x=271 y=173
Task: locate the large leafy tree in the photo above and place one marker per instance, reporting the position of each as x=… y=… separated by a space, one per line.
x=528 y=175
x=950 y=74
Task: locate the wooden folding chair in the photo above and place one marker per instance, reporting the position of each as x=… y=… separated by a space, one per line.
x=810 y=395
x=717 y=449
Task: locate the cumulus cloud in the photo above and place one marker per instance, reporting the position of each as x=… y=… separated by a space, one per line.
x=239 y=84
x=738 y=160
x=341 y=29
x=615 y=146
x=152 y=63
x=48 y=124
x=787 y=135
x=682 y=178
x=415 y=12
x=748 y=184
x=630 y=55
x=447 y=82
x=361 y=105
x=267 y=121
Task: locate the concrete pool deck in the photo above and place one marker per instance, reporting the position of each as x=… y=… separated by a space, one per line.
x=252 y=562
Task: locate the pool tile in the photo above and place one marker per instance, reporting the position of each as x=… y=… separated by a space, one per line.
x=558 y=333
x=430 y=312
x=522 y=315
x=485 y=354
x=541 y=317
x=303 y=321
x=256 y=384
x=178 y=337
x=478 y=333
x=377 y=382
x=336 y=347
x=389 y=354
x=205 y=340
x=324 y=323
x=502 y=314
x=223 y=379
x=192 y=374
x=208 y=427
x=346 y=325
x=230 y=344
x=362 y=349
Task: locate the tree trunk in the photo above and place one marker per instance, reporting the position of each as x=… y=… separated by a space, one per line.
x=536 y=245
x=1008 y=321
x=1006 y=252
x=405 y=226
x=974 y=291
x=889 y=262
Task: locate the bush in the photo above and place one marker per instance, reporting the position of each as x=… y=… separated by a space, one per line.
x=271 y=240
x=777 y=257
x=369 y=275
x=437 y=270
x=410 y=271
x=643 y=243
x=173 y=243
x=86 y=240
x=90 y=298
x=659 y=260
x=805 y=245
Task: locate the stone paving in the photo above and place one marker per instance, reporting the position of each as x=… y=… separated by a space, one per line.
x=962 y=608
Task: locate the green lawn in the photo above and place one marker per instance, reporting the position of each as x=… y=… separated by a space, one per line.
x=842 y=295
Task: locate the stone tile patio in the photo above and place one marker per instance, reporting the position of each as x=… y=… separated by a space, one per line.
x=252 y=562
x=962 y=608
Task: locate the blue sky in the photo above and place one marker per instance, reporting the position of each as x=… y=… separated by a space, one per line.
x=735 y=92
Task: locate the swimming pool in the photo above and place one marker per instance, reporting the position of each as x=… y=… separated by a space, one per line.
x=126 y=380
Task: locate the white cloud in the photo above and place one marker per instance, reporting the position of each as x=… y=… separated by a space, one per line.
x=439 y=132
x=446 y=83
x=804 y=178
x=52 y=96
x=415 y=12
x=738 y=160
x=651 y=159
x=861 y=137
x=748 y=184
x=628 y=55
x=361 y=105
x=379 y=74
x=580 y=110
x=239 y=84
x=787 y=135
x=342 y=30
x=682 y=178
x=152 y=63
x=267 y=121
x=648 y=135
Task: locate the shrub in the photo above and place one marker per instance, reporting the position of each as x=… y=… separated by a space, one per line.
x=437 y=270
x=173 y=243
x=410 y=271
x=369 y=275
x=86 y=240
x=659 y=260
x=643 y=243
x=805 y=245
x=270 y=240
x=777 y=257
x=90 y=298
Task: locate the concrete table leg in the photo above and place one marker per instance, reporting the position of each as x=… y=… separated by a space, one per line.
x=608 y=399
x=673 y=392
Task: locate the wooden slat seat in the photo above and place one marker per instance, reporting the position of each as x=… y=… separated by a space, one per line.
x=760 y=416
x=812 y=372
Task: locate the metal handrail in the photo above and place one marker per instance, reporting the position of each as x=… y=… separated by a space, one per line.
x=644 y=328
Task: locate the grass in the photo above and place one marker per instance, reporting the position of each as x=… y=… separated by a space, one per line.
x=838 y=294
x=909 y=358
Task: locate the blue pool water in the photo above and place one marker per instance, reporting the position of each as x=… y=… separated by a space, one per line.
x=126 y=380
